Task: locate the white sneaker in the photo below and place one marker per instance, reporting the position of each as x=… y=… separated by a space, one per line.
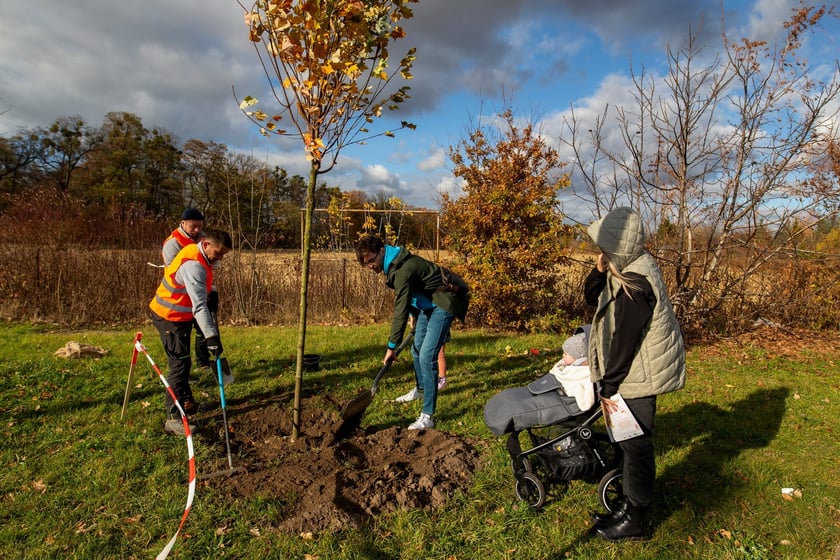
x=441 y=382
x=423 y=422
x=176 y=426
x=413 y=395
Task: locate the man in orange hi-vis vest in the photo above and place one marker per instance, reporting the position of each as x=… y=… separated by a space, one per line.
x=189 y=231
x=181 y=299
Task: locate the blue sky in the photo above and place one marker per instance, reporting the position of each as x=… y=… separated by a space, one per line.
x=173 y=62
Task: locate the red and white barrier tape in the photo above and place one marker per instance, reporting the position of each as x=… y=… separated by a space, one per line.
x=138 y=346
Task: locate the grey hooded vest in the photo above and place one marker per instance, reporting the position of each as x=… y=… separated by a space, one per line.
x=659 y=364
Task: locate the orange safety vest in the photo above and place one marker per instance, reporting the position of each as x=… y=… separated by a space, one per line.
x=171 y=301
x=183 y=240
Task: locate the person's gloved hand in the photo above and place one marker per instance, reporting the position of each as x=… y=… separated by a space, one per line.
x=213 y=302
x=214 y=345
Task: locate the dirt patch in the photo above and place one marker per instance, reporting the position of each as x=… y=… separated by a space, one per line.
x=327 y=485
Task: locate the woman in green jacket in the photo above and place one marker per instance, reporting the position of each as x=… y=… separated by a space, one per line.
x=418 y=286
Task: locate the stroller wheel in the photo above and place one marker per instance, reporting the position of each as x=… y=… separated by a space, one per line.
x=529 y=489
x=611 y=490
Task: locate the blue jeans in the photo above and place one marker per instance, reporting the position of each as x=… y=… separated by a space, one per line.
x=430 y=334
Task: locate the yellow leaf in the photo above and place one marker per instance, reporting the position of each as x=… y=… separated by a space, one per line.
x=248 y=101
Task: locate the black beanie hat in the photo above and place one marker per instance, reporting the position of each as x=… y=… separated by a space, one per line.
x=191 y=214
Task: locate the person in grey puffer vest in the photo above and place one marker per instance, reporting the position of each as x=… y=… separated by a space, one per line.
x=636 y=350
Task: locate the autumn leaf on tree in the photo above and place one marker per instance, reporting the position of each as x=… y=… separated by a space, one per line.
x=330 y=73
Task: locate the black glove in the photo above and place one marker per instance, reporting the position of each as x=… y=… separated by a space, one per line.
x=214 y=345
x=213 y=302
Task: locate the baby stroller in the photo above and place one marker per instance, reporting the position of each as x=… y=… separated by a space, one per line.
x=564 y=444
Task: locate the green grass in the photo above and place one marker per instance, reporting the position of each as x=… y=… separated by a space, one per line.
x=77 y=482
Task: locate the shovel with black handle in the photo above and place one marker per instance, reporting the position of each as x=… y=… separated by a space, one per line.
x=351 y=413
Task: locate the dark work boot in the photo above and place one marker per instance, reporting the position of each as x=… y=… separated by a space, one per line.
x=603 y=519
x=629 y=526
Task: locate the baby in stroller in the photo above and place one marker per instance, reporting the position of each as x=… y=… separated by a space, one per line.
x=557 y=411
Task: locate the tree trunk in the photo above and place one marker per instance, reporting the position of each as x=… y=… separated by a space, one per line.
x=306 y=247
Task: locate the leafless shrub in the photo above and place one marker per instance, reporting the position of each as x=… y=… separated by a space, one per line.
x=73 y=286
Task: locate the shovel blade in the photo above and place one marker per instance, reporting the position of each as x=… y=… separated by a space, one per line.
x=227 y=376
x=357 y=406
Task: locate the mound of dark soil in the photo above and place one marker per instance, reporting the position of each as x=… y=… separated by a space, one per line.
x=327 y=484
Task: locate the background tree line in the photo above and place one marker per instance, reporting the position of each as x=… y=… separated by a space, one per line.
x=123 y=185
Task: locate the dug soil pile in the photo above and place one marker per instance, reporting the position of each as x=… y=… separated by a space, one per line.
x=328 y=485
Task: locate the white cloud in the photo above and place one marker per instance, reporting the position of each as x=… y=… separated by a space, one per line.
x=765 y=19
x=173 y=63
x=436 y=160
x=450 y=185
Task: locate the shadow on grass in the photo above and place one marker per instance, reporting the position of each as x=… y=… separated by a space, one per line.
x=714 y=436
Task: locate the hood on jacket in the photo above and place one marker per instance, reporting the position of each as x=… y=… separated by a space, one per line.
x=620 y=235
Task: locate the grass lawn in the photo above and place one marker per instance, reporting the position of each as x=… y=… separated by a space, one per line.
x=78 y=482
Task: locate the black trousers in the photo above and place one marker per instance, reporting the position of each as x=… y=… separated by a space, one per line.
x=639 y=473
x=202 y=354
x=175 y=336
